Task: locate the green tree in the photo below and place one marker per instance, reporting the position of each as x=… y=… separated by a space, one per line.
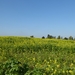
x=59 y=37
x=32 y=36
x=49 y=36
x=65 y=38
x=70 y=38
x=43 y=37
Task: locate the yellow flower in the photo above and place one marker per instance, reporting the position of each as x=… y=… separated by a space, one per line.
x=33 y=59
x=48 y=65
x=55 y=71
x=67 y=71
x=74 y=61
x=44 y=74
x=58 y=66
x=52 y=69
x=63 y=71
x=55 y=61
x=50 y=60
x=71 y=65
x=45 y=61
x=51 y=74
x=47 y=69
x=70 y=71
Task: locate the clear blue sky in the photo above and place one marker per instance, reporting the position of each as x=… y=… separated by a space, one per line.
x=37 y=17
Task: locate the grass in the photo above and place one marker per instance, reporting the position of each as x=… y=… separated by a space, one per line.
x=53 y=56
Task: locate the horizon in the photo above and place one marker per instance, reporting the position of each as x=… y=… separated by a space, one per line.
x=37 y=17
x=34 y=36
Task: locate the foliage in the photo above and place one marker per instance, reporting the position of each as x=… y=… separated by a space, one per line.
x=32 y=36
x=43 y=37
x=36 y=56
x=65 y=38
x=35 y=71
x=49 y=36
x=70 y=38
x=59 y=37
x=13 y=67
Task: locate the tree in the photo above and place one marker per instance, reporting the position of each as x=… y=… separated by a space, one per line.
x=59 y=37
x=43 y=37
x=49 y=36
x=54 y=37
x=32 y=36
x=70 y=38
x=65 y=38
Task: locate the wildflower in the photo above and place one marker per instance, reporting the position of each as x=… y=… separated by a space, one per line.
x=48 y=65
x=71 y=65
x=67 y=71
x=47 y=69
x=33 y=59
x=52 y=69
x=55 y=61
x=74 y=61
x=70 y=71
x=55 y=71
x=63 y=71
x=48 y=62
x=44 y=73
x=45 y=61
x=58 y=66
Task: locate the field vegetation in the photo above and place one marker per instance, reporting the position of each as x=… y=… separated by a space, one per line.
x=36 y=56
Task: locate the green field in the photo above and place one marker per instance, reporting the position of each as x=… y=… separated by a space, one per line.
x=36 y=56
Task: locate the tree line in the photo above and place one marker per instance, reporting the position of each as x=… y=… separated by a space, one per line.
x=54 y=37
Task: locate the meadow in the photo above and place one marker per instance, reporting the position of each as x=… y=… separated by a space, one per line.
x=36 y=56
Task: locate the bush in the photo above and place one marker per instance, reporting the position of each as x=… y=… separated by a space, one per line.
x=13 y=67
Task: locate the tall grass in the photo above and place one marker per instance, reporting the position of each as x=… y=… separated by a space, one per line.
x=52 y=55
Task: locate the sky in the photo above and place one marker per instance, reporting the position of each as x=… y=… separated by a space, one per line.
x=37 y=17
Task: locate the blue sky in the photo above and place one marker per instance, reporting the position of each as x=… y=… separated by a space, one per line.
x=37 y=17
